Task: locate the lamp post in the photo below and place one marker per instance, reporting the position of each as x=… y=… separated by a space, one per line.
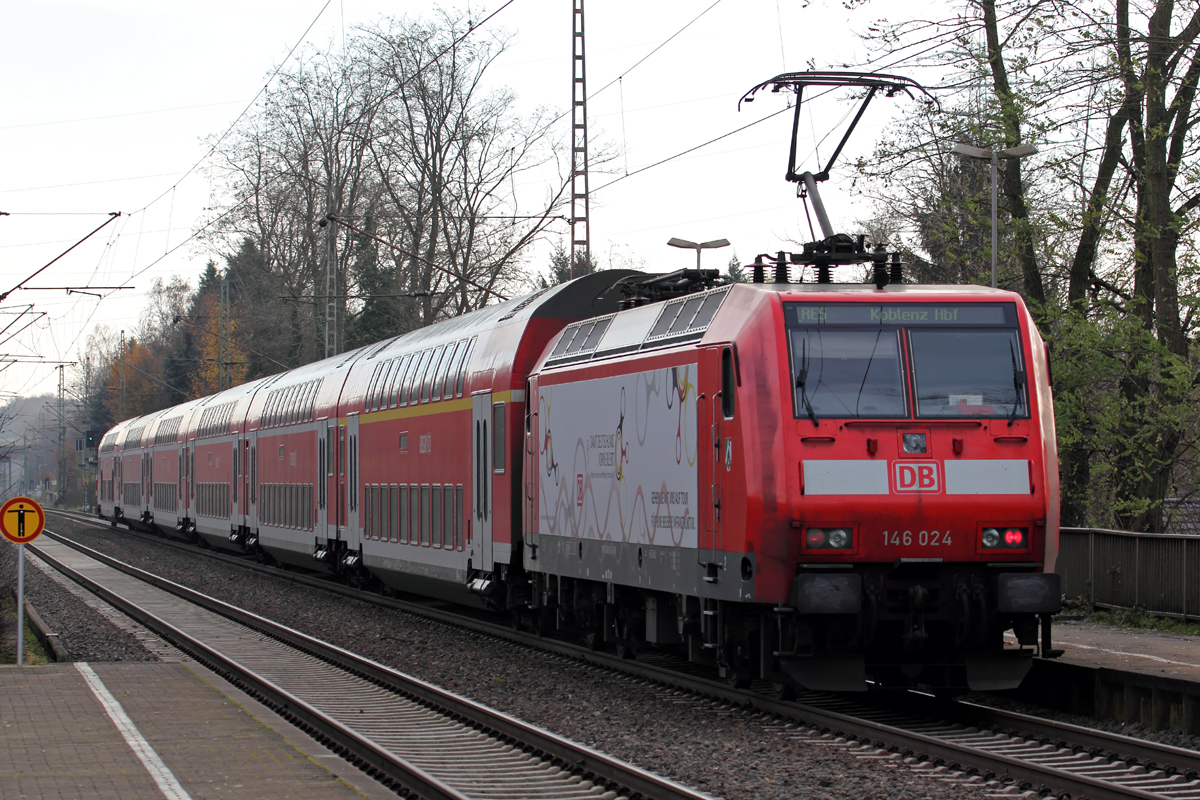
x=993 y=156
x=698 y=246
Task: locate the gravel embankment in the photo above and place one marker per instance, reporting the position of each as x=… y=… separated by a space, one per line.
x=86 y=634
x=727 y=754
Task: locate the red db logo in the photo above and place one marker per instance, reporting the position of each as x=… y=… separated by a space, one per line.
x=579 y=491
x=919 y=476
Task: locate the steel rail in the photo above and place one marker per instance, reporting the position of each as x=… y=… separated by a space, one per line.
x=864 y=730
x=580 y=759
x=1112 y=745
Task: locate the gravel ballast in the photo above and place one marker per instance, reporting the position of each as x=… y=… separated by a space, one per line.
x=85 y=633
x=719 y=750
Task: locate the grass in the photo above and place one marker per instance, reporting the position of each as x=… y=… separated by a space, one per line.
x=1140 y=620
x=34 y=652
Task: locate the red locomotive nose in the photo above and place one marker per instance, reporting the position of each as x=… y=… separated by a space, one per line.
x=1014 y=537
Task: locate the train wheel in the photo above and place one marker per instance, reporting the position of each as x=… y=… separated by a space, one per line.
x=736 y=679
x=782 y=691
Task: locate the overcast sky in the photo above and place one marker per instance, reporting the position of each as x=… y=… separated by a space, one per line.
x=108 y=103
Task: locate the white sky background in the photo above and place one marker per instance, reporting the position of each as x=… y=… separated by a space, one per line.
x=107 y=103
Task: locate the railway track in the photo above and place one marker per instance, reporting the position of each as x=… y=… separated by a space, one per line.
x=1018 y=751
x=414 y=737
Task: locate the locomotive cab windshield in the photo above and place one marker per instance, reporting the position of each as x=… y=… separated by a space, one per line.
x=895 y=361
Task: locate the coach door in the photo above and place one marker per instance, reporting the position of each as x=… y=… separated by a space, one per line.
x=250 y=470
x=481 y=479
x=326 y=487
x=353 y=533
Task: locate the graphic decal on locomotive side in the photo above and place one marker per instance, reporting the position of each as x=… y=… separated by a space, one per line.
x=632 y=473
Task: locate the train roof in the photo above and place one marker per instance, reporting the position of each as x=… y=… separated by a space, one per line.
x=316 y=389
x=688 y=319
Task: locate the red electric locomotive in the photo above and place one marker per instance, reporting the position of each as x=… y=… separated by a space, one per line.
x=817 y=484
x=821 y=485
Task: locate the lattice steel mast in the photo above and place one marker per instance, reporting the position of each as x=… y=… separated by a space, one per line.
x=581 y=262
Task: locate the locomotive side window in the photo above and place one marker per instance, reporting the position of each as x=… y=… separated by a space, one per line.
x=846 y=373
x=977 y=373
x=728 y=383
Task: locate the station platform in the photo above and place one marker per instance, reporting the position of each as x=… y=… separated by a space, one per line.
x=1130 y=675
x=148 y=731
x=1171 y=655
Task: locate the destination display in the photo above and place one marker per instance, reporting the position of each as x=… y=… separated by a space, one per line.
x=906 y=314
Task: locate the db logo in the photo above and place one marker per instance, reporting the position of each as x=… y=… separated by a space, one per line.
x=917 y=476
x=579 y=490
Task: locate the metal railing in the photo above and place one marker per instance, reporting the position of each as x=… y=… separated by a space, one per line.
x=1154 y=572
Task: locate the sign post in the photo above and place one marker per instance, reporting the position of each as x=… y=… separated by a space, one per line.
x=21 y=520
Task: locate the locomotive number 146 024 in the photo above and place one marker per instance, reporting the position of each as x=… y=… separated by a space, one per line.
x=920 y=538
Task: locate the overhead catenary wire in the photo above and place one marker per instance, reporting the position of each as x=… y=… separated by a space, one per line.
x=112 y=216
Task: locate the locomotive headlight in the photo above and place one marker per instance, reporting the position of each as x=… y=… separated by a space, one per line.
x=991 y=538
x=828 y=538
x=913 y=442
x=1004 y=538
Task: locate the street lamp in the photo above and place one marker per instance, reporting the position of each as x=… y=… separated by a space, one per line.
x=993 y=156
x=685 y=244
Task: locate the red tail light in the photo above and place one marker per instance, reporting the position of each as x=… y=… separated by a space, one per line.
x=815 y=538
x=1014 y=537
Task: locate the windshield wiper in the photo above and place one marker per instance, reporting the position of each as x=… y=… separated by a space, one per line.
x=1019 y=382
x=802 y=379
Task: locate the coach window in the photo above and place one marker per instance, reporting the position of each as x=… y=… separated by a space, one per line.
x=330 y=449
x=435 y=510
x=354 y=474
x=452 y=362
x=414 y=380
x=462 y=371
x=414 y=519
x=427 y=380
x=498 y=438
x=458 y=516
x=728 y=382
x=342 y=451
x=394 y=514
x=425 y=522
x=253 y=473
x=381 y=391
x=371 y=387
x=397 y=379
x=439 y=379
x=448 y=515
